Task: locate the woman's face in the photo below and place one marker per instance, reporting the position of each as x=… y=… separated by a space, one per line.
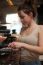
x=25 y=19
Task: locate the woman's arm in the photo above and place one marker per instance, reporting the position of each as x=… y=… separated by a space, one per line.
x=35 y=49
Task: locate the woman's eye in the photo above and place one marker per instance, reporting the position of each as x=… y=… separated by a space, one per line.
x=22 y=17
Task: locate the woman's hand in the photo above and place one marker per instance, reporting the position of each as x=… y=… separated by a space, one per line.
x=16 y=45
x=2 y=38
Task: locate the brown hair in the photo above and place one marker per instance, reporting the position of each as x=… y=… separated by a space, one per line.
x=27 y=8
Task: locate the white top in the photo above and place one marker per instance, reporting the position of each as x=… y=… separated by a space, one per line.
x=31 y=39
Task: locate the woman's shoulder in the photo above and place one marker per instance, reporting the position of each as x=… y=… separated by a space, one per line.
x=40 y=28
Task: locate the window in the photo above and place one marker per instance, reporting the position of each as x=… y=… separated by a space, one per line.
x=14 y=22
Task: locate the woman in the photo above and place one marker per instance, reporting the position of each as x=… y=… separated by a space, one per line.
x=30 y=40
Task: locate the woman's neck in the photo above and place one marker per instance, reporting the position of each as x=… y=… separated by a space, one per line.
x=30 y=27
x=33 y=24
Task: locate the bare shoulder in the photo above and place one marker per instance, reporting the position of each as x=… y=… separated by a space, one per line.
x=41 y=28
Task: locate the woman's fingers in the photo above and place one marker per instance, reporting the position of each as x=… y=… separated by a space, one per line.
x=16 y=45
x=12 y=45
